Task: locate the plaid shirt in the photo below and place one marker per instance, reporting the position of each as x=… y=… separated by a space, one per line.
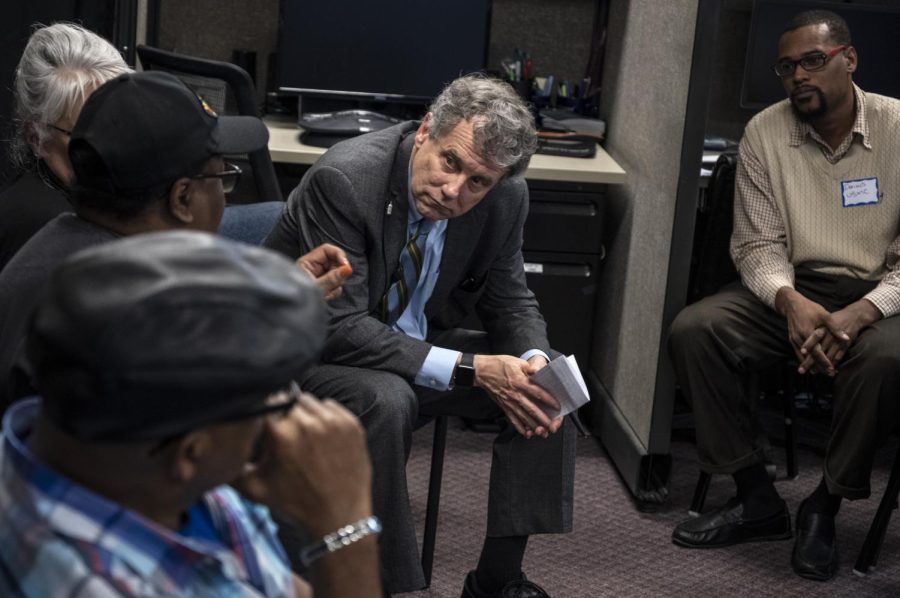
x=60 y=539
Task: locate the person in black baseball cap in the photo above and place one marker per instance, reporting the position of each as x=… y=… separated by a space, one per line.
x=147 y=155
x=145 y=144
x=164 y=363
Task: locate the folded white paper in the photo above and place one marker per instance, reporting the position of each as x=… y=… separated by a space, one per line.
x=562 y=379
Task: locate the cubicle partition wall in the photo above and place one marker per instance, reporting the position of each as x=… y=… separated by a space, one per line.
x=656 y=78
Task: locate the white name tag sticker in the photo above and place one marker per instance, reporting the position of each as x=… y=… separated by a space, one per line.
x=859 y=192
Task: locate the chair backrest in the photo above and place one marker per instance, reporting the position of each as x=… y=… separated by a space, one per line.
x=213 y=80
x=712 y=267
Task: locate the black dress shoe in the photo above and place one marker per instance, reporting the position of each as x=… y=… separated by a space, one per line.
x=726 y=526
x=519 y=588
x=815 y=553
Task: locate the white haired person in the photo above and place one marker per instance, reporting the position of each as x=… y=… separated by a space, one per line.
x=61 y=66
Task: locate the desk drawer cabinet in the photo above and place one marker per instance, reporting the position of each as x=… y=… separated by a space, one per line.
x=565 y=285
x=563 y=250
x=568 y=221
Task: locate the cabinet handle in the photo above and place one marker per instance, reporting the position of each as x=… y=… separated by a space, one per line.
x=550 y=269
x=562 y=208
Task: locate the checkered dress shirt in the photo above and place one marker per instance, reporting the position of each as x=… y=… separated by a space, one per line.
x=60 y=539
x=760 y=239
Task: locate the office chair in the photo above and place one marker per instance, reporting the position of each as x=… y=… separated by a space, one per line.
x=868 y=554
x=439 y=443
x=213 y=80
x=712 y=268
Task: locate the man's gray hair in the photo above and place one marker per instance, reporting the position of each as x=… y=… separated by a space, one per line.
x=501 y=121
x=61 y=64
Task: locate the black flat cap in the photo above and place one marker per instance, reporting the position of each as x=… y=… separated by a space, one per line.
x=158 y=334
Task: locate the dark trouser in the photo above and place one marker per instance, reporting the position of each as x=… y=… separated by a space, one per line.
x=716 y=343
x=532 y=481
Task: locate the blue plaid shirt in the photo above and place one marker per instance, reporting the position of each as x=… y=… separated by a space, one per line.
x=60 y=539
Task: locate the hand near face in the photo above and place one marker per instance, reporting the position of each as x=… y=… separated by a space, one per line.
x=315 y=468
x=329 y=266
x=506 y=379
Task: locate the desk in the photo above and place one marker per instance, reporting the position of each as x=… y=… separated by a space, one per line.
x=285 y=147
x=564 y=233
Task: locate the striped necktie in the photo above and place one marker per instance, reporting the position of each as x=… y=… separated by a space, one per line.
x=406 y=277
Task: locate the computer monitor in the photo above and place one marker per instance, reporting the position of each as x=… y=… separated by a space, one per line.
x=401 y=50
x=875 y=31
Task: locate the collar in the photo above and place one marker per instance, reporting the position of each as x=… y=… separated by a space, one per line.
x=399 y=178
x=413 y=216
x=801 y=130
x=73 y=511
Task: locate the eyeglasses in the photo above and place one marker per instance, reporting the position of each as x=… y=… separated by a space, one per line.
x=230 y=177
x=811 y=62
x=65 y=132
x=274 y=406
x=270 y=407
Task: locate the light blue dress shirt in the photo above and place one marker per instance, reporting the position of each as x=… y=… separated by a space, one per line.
x=437 y=370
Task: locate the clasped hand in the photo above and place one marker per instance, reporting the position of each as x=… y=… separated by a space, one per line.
x=507 y=380
x=821 y=339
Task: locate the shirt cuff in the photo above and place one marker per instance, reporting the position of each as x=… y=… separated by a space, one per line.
x=885 y=300
x=437 y=370
x=532 y=352
x=767 y=288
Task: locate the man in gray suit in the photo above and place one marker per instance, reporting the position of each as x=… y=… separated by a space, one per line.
x=431 y=216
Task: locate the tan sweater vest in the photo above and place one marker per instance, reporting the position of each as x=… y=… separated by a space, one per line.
x=822 y=233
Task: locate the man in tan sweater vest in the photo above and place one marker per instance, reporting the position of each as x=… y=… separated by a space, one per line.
x=816 y=244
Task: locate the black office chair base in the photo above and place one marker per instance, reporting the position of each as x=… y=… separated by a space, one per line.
x=871 y=548
x=434 y=496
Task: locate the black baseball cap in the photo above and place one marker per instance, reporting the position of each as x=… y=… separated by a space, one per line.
x=140 y=132
x=158 y=334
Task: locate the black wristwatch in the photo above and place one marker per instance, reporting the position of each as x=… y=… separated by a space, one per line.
x=464 y=374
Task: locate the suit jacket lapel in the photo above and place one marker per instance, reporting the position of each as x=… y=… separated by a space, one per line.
x=395 y=223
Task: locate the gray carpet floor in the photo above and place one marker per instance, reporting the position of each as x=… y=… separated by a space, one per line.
x=615 y=550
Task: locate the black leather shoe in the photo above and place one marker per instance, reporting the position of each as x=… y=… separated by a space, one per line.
x=726 y=526
x=815 y=553
x=520 y=588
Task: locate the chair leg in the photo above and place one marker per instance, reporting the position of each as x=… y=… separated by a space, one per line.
x=700 y=494
x=868 y=554
x=790 y=441
x=434 y=495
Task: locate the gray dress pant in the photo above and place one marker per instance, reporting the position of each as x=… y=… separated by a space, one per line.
x=531 y=483
x=716 y=343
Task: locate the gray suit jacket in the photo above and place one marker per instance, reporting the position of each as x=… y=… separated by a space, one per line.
x=355 y=196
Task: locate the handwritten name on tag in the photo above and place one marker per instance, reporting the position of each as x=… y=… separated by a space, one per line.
x=859 y=192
